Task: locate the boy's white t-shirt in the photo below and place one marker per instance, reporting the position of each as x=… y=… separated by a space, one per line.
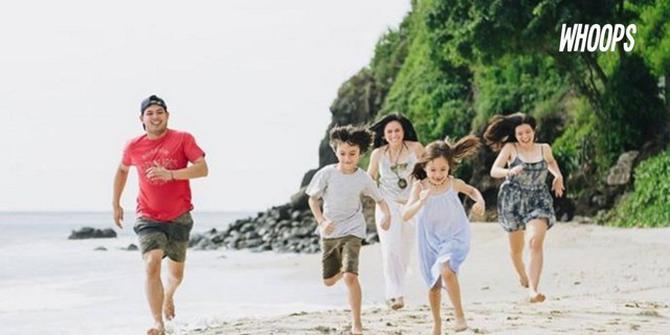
x=341 y=194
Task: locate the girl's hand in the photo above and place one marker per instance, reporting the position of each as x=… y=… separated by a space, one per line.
x=423 y=195
x=327 y=227
x=557 y=186
x=478 y=208
x=515 y=171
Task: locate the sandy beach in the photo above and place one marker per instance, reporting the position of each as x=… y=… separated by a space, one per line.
x=598 y=280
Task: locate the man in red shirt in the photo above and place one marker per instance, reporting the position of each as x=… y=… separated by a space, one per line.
x=164 y=222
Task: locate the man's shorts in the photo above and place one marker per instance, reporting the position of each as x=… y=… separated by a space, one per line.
x=169 y=236
x=340 y=255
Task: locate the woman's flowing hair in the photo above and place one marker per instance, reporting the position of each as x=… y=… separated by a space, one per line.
x=378 y=129
x=500 y=129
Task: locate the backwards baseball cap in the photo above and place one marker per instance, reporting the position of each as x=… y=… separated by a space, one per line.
x=152 y=100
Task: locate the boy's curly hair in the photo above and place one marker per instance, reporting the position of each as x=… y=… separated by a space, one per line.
x=360 y=137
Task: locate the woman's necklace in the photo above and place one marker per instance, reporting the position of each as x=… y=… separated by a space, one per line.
x=402 y=182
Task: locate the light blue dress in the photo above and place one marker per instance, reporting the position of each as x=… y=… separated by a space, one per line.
x=443 y=234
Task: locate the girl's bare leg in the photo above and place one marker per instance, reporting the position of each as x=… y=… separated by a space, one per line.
x=454 y=290
x=434 y=297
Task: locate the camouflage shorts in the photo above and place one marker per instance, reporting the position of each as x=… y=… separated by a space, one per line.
x=340 y=255
x=171 y=236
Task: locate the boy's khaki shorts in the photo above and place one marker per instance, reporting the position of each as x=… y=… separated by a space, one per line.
x=340 y=255
x=171 y=236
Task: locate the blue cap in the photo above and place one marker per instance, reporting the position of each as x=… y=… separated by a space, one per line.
x=152 y=100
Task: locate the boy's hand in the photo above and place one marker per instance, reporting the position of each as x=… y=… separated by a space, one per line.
x=386 y=222
x=478 y=208
x=326 y=227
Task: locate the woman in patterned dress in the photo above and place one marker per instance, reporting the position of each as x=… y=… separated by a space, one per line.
x=524 y=202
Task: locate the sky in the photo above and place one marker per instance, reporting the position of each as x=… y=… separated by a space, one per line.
x=252 y=80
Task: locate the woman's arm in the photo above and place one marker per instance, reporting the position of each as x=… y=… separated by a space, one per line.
x=498 y=169
x=373 y=167
x=557 y=185
x=418 y=149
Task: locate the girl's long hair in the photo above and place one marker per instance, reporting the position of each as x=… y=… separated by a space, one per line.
x=452 y=153
x=378 y=129
x=501 y=128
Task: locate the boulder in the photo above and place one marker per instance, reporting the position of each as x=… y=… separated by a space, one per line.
x=622 y=171
x=89 y=232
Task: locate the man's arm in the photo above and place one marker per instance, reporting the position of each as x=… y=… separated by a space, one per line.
x=119 y=184
x=196 y=170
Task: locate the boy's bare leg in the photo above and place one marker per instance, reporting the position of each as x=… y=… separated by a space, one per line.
x=516 y=245
x=454 y=290
x=536 y=233
x=154 y=289
x=332 y=280
x=175 y=277
x=355 y=296
x=435 y=297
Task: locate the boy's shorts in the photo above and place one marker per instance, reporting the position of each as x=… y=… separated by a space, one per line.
x=340 y=255
x=169 y=236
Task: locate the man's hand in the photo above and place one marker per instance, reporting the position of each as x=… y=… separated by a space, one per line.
x=158 y=172
x=118 y=216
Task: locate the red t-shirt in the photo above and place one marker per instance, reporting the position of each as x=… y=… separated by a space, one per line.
x=162 y=200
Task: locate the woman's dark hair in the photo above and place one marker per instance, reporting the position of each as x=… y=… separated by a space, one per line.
x=379 y=126
x=501 y=129
x=453 y=153
x=352 y=136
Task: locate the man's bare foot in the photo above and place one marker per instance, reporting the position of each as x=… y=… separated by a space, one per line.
x=460 y=324
x=357 y=330
x=437 y=329
x=397 y=303
x=157 y=329
x=168 y=308
x=536 y=297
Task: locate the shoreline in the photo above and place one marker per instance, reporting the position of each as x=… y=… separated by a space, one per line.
x=593 y=278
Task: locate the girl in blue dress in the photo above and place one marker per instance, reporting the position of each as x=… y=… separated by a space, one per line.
x=443 y=228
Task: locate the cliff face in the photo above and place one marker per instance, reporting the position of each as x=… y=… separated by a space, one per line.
x=290 y=227
x=450 y=66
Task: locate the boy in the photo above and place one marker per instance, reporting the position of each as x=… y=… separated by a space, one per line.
x=342 y=224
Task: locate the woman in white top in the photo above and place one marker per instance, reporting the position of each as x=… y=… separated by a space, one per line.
x=397 y=149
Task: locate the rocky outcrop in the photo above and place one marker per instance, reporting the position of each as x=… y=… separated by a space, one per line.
x=291 y=227
x=281 y=229
x=622 y=172
x=89 y=232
